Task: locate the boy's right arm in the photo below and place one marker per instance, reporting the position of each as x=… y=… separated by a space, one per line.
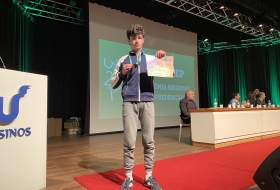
x=118 y=77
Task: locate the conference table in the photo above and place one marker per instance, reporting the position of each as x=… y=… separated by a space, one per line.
x=220 y=127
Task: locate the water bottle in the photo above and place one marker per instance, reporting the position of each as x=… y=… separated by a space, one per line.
x=215 y=103
x=269 y=104
x=248 y=103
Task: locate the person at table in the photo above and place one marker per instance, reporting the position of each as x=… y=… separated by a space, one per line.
x=185 y=105
x=235 y=100
x=251 y=97
x=261 y=99
x=257 y=92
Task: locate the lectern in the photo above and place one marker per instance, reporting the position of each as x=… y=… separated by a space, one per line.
x=23 y=130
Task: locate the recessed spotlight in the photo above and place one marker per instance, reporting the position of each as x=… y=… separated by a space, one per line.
x=221 y=5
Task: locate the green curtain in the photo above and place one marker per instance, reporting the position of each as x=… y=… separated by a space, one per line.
x=214 y=78
x=274 y=73
x=239 y=70
x=21 y=38
x=240 y=82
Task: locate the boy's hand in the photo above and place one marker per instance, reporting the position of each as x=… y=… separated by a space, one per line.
x=160 y=54
x=126 y=68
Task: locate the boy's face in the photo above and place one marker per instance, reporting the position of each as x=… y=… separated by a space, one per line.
x=136 y=42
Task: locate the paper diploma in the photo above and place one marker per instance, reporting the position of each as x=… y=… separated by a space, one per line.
x=163 y=67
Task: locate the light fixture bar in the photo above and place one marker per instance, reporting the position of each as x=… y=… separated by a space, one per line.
x=26 y=13
x=207 y=47
x=56 y=11
x=211 y=11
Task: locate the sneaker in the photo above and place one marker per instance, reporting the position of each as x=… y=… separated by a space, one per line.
x=127 y=184
x=152 y=183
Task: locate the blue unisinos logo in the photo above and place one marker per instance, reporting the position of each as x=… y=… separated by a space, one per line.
x=14 y=106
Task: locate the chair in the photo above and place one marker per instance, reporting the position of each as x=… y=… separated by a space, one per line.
x=181 y=125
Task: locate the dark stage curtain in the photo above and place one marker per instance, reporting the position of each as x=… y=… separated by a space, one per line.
x=14 y=38
x=239 y=70
x=61 y=51
x=57 y=49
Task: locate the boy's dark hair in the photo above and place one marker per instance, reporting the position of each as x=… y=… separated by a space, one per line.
x=134 y=30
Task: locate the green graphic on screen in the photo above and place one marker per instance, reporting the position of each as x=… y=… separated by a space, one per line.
x=168 y=91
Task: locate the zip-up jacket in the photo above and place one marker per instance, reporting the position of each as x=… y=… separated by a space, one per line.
x=137 y=85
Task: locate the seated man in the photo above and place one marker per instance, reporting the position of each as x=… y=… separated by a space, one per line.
x=261 y=100
x=185 y=105
x=235 y=99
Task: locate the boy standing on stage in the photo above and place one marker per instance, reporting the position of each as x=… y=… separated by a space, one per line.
x=137 y=94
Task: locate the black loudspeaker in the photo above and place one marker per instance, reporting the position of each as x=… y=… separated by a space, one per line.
x=267 y=176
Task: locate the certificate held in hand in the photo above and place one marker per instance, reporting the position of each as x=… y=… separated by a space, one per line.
x=163 y=67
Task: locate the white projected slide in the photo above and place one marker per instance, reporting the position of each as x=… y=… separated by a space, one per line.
x=108 y=42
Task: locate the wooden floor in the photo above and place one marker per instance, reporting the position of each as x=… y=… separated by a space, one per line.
x=70 y=156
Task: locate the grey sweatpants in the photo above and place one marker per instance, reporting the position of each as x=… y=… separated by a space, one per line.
x=132 y=113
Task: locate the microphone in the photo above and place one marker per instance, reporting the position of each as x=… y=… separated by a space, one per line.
x=4 y=66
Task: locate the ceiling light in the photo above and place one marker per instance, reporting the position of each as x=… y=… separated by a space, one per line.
x=221 y=5
x=235 y=14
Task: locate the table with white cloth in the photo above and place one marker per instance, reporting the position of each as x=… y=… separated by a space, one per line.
x=220 y=127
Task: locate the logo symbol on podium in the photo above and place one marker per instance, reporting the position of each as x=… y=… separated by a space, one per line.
x=14 y=106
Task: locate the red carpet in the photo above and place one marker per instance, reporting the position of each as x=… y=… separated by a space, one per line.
x=229 y=168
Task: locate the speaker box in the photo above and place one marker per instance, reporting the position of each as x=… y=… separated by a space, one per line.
x=267 y=176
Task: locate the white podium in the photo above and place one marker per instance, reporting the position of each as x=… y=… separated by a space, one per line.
x=23 y=130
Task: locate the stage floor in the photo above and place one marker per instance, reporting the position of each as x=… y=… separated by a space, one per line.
x=71 y=156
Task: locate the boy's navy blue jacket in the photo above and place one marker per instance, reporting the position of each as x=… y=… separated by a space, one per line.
x=137 y=85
